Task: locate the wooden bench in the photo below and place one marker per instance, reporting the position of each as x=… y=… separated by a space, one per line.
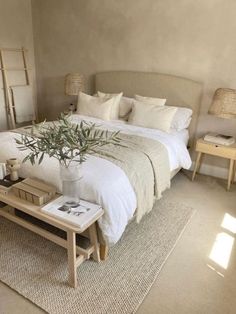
x=76 y=254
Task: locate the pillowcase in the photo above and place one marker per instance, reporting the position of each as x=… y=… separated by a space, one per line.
x=116 y=103
x=182 y=118
x=150 y=100
x=95 y=107
x=125 y=105
x=152 y=116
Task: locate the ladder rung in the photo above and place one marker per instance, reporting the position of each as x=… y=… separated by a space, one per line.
x=19 y=85
x=13 y=49
x=15 y=69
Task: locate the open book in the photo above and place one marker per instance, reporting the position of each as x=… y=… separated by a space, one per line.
x=78 y=216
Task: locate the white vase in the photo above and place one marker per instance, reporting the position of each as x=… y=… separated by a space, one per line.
x=70 y=177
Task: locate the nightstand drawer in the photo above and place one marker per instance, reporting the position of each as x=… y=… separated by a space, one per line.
x=216 y=150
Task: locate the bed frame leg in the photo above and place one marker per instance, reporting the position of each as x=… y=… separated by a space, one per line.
x=104 y=251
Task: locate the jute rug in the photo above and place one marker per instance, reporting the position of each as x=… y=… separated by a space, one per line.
x=37 y=268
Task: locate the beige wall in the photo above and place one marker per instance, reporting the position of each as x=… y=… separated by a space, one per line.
x=15 y=31
x=194 y=39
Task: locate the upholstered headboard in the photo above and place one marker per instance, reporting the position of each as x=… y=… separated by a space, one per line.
x=178 y=91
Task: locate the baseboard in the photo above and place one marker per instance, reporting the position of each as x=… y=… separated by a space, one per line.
x=214 y=171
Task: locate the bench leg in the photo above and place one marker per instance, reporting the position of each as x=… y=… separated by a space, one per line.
x=71 y=250
x=104 y=251
x=94 y=241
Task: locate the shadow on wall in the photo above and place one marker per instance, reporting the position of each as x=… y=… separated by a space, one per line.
x=52 y=100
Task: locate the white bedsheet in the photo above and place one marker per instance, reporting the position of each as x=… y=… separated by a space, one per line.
x=175 y=142
x=102 y=181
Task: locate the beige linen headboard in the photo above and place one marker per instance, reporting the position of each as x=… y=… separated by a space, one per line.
x=178 y=91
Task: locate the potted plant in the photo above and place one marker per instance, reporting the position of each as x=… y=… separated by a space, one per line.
x=70 y=144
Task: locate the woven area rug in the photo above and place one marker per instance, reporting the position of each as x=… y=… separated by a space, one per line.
x=37 y=268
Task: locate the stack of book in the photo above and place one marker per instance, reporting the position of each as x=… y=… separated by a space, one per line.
x=34 y=191
x=220 y=139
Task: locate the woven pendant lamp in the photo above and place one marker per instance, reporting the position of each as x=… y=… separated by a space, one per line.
x=74 y=83
x=224 y=103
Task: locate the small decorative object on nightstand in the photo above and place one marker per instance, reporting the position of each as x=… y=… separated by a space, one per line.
x=13 y=165
x=228 y=152
x=72 y=108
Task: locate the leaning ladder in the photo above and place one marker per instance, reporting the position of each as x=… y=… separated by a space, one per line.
x=10 y=110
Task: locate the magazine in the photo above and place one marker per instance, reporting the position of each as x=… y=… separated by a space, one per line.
x=78 y=216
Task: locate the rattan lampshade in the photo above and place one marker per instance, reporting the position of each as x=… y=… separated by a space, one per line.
x=224 y=103
x=74 y=83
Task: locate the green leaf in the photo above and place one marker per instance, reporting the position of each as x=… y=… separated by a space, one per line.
x=65 y=140
x=41 y=158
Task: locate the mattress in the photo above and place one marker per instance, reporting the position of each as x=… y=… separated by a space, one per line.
x=102 y=181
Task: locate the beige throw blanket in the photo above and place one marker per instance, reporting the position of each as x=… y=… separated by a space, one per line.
x=145 y=162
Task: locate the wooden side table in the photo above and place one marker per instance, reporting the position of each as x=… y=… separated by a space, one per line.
x=76 y=254
x=228 y=152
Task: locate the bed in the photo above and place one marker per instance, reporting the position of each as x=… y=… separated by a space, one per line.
x=104 y=182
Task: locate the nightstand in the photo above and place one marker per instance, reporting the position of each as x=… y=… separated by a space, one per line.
x=228 y=152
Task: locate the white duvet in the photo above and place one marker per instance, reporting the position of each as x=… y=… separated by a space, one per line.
x=103 y=182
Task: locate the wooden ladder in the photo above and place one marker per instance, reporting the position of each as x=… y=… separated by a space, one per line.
x=10 y=110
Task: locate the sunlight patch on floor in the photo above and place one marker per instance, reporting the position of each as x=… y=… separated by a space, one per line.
x=222 y=248
x=223 y=245
x=229 y=223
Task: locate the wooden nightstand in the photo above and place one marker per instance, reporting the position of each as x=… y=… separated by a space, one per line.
x=229 y=152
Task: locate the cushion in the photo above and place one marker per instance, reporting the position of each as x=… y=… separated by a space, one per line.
x=150 y=100
x=95 y=106
x=182 y=118
x=116 y=103
x=125 y=105
x=152 y=116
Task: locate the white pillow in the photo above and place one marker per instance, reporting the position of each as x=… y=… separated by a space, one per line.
x=182 y=118
x=116 y=103
x=94 y=106
x=125 y=106
x=150 y=100
x=152 y=116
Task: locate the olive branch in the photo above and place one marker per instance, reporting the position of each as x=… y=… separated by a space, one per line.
x=65 y=141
